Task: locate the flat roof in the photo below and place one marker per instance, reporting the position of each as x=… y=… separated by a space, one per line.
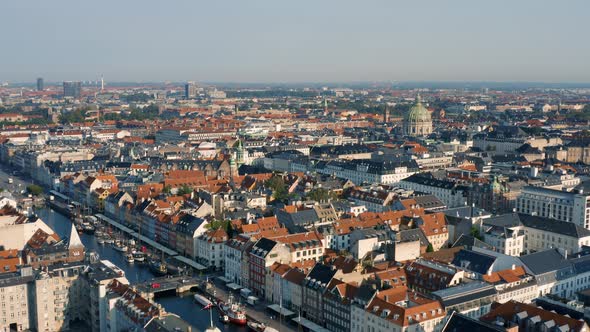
x=277 y=308
x=310 y=325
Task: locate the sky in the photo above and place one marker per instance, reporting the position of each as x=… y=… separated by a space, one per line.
x=295 y=41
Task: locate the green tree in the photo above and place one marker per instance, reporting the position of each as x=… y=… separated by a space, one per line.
x=475 y=233
x=75 y=116
x=167 y=189
x=278 y=187
x=184 y=190
x=430 y=248
x=320 y=195
x=34 y=190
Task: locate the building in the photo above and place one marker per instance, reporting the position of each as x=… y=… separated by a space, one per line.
x=235 y=252
x=210 y=248
x=15 y=289
x=190 y=90
x=529 y=317
x=262 y=255
x=40 y=86
x=449 y=192
x=572 y=207
x=361 y=171
x=418 y=121
x=72 y=89
x=400 y=311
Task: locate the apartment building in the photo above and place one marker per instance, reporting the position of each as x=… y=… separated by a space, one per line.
x=572 y=206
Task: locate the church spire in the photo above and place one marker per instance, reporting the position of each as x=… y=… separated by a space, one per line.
x=74 y=241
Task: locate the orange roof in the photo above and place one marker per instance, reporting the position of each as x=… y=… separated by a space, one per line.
x=508 y=275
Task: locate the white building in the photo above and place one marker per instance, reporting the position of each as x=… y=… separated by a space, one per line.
x=572 y=207
x=210 y=248
x=235 y=249
x=448 y=192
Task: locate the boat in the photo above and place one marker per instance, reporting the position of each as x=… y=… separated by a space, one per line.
x=158 y=268
x=88 y=229
x=119 y=246
x=100 y=240
x=109 y=240
x=130 y=258
x=260 y=327
x=202 y=300
x=224 y=319
x=139 y=256
x=235 y=312
x=80 y=229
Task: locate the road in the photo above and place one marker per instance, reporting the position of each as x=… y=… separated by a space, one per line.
x=258 y=311
x=19 y=183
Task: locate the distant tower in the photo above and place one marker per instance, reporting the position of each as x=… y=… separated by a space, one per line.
x=40 y=86
x=72 y=89
x=101 y=83
x=386 y=114
x=325 y=107
x=239 y=152
x=190 y=90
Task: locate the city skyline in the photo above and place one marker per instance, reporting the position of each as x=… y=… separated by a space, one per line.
x=305 y=42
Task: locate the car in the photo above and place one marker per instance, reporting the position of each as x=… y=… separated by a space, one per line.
x=155 y=285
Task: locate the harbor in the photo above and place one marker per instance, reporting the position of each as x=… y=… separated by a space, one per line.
x=175 y=293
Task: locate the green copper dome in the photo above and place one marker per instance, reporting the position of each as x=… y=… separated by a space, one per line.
x=418 y=113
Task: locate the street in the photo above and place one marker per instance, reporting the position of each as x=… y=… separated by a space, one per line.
x=258 y=311
x=18 y=184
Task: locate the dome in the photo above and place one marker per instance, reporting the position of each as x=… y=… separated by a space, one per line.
x=418 y=113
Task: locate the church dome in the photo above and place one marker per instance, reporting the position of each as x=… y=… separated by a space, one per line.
x=418 y=113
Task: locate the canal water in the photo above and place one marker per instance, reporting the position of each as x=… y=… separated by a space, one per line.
x=185 y=307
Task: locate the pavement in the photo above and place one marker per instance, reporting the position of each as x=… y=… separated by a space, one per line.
x=17 y=186
x=258 y=311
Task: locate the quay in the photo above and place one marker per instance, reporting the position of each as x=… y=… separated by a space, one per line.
x=152 y=243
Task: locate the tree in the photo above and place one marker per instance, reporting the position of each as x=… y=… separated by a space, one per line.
x=75 y=116
x=320 y=195
x=167 y=189
x=34 y=190
x=184 y=190
x=430 y=248
x=475 y=233
x=278 y=187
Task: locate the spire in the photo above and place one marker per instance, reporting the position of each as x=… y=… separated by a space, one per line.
x=418 y=99
x=74 y=239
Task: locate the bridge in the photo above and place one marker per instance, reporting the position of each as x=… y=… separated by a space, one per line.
x=179 y=284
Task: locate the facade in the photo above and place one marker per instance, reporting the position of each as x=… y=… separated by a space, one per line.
x=235 y=252
x=15 y=294
x=210 y=248
x=448 y=192
x=572 y=207
x=361 y=171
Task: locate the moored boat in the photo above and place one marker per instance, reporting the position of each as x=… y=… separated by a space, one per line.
x=119 y=246
x=202 y=300
x=129 y=258
x=139 y=256
x=260 y=327
x=158 y=268
x=234 y=311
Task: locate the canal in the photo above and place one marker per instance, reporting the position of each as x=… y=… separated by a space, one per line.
x=184 y=306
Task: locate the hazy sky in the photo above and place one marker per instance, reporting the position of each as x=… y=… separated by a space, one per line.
x=295 y=41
